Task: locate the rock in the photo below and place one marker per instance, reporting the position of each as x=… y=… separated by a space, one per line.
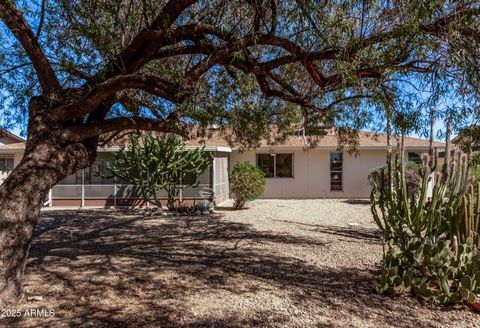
x=476 y=306
x=34 y=298
x=87 y=324
x=353 y=224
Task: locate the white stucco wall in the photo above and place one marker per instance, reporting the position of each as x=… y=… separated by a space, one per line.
x=311 y=173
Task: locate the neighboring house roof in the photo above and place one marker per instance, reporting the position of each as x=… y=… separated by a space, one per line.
x=6 y=134
x=367 y=140
x=10 y=141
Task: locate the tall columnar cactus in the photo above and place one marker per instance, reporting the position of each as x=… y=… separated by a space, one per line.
x=401 y=215
x=466 y=223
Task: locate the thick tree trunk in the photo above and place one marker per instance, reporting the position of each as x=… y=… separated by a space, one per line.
x=21 y=197
x=23 y=192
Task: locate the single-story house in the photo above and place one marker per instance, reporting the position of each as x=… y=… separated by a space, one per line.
x=292 y=171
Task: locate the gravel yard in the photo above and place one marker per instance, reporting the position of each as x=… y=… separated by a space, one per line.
x=279 y=263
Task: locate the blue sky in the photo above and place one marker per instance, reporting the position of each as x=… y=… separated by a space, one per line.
x=439 y=125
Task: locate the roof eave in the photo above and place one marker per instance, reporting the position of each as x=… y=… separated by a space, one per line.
x=222 y=149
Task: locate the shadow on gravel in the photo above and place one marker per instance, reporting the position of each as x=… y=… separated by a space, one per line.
x=369 y=235
x=151 y=264
x=357 y=201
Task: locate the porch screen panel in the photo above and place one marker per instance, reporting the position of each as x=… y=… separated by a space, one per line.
x=162 y=194
x=98 y=173
x=221 y=174
x=67 y=191
x=128 y=191
x=203 y=180
x=74 y=179
x=99 y=191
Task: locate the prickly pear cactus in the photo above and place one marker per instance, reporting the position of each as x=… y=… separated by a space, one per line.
x=433 y=272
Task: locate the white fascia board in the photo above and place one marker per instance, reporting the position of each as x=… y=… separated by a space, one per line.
x=222 y=149
x=273 y=148
x=207 y=148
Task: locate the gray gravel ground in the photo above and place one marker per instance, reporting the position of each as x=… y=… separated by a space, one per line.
x=279 y=263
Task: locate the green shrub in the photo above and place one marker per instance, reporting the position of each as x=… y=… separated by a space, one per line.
x=247 y=183
x=413 y=166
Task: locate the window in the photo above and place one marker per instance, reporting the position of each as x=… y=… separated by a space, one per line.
x=276 y=165
x=266 y=163
x=6 y=163
x=414 y=157
x=283 y=166
x=336 y=171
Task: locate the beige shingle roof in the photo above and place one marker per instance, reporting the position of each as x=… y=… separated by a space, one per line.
x=366 y=140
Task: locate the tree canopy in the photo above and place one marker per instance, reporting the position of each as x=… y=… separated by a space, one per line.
x=108 y=65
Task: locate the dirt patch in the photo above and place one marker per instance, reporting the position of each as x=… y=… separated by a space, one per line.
x=292 y=263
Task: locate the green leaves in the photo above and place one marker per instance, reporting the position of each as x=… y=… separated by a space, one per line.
x=247 y=182
x=160 y=163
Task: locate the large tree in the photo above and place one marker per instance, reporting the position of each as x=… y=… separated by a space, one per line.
x=77 y=70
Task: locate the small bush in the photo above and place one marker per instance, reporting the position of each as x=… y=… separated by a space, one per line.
x=412 y=166
x=247 y=183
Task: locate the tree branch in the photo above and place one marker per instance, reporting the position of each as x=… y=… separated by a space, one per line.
x=16 y=23
x=170 y=13
x=78 y=134
x=11 y=69
x=42 y=18
x=90 y=98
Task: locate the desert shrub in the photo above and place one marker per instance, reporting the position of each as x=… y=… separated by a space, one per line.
x=247 y=183
x=413 y=166
x=413 y=179
x=475 y=166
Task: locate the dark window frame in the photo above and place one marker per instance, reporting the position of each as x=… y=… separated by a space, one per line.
x=414 y=156
x=274 y=175
x=4 y=160
x=337 y=172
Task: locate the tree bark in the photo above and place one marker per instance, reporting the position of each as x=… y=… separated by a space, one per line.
x=23 y=192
